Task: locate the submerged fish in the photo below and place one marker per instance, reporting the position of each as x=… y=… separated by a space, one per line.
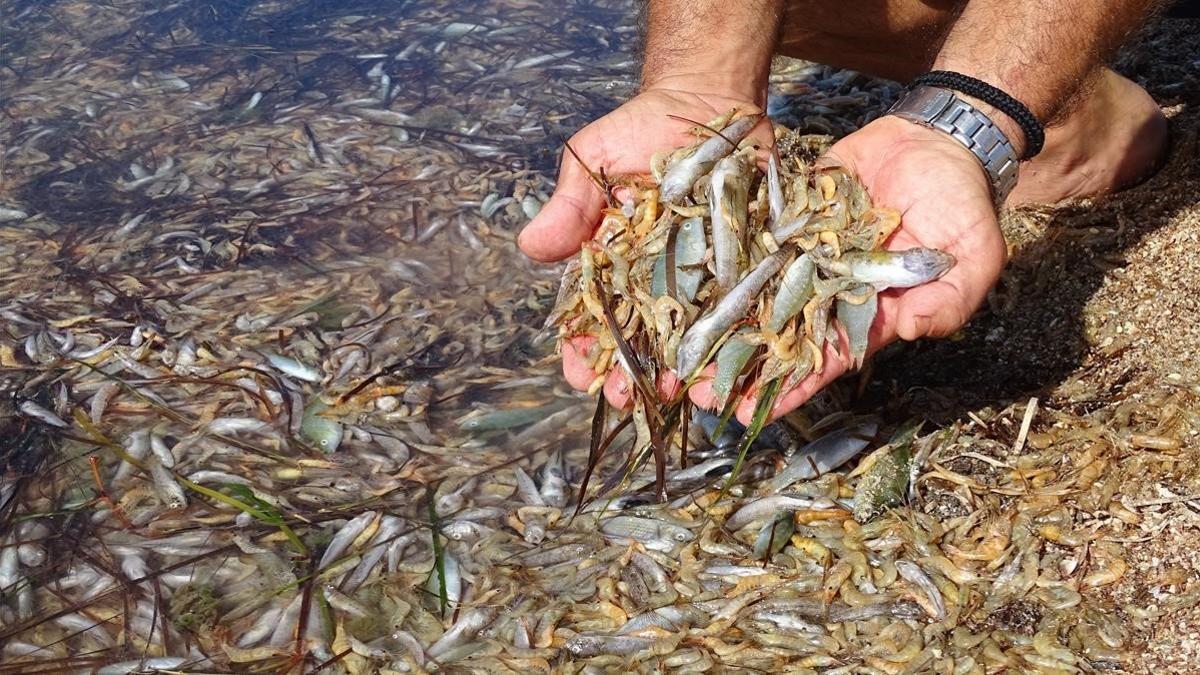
x=510 y=418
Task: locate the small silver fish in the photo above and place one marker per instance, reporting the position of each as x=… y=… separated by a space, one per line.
x=554 y=485
x=702 y=335
x=690 y=247
x=856 y=318
x=774 y=189
x=655 y=535
x=294 y=368
x=31 y=409
x=101 y=399
x=728 y=195
x=731 y=360
x=469 y=623
x=151 y=664
x=169 y=491
x=775 y=534
x=913 y=573
x=825 y=454
x=9 y=564
x=795 y=290
x=595 y=645
x=683 y=172
x=236 y=425
x=347 y=534
x=761 y=507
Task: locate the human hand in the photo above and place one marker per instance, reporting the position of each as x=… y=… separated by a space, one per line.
x=944 y=196
x=621 y=143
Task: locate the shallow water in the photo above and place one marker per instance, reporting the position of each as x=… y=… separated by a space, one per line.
x=191 y=191
x=255 y=159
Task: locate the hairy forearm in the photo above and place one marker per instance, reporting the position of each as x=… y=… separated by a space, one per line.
x=1039 y=51
x=717 y=46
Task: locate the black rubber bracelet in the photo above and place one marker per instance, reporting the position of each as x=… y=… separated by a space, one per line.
x=1035 y=133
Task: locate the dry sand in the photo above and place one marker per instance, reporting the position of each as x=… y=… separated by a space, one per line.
x=1101 y=304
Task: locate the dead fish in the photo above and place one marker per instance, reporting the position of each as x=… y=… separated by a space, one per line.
x=893 y=269
x=731 y=361
x=702 y=335
x=913 y=573
x=728 y=194
x=583 y=646
x=774 y=189
x=683 y=172
x=856 y=315
x=322 y=431
x=795 y=290
x=690 y=247
x=656 y=535
x=470 y=622
x=344 y=536
x=37 y=412
x=761 y=507
x=825 y=454
x=294 y=368
x=501 y=420
x=778 y=435
x=9 y=214
x=150 y=664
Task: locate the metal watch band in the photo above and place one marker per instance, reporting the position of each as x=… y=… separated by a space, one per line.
x=941 y=109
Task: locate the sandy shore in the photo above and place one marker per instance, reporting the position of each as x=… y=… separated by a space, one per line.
x=1100 y=304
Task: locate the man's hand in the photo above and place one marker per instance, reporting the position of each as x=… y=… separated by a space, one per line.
x=944 y=196
x=622 y=143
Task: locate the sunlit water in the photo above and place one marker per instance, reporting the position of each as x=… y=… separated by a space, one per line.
x=260 y=159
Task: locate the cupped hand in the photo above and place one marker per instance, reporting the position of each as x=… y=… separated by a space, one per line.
x=944 y=197
x=622 y=143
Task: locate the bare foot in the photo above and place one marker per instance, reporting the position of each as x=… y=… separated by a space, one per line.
x=1113 y=138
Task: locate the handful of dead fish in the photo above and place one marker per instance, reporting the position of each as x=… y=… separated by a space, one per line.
x=715 y=268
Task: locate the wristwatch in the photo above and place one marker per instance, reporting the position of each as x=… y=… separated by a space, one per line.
x=941 y=109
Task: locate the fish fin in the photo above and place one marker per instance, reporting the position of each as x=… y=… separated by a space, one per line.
x=857 y=320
